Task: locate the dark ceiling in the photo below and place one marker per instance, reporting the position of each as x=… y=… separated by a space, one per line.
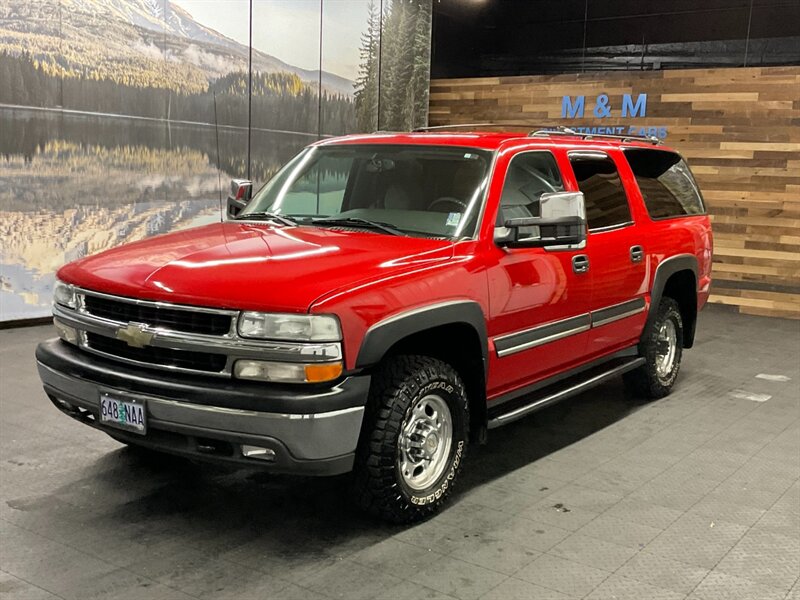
x=517 y=37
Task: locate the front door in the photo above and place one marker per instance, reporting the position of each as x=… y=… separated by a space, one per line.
x=538 y=300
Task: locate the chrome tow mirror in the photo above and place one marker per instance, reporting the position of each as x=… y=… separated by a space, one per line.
x=562 y=222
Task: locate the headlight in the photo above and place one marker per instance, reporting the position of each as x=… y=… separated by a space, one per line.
x=64 y=294
x=298 y=328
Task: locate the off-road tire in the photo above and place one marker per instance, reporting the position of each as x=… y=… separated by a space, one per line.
x=397 y=386
x=646 y=381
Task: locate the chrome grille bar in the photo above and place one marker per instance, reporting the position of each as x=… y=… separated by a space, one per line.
x=170 y=342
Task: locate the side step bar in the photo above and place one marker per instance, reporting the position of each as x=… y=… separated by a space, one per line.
x=564 y=389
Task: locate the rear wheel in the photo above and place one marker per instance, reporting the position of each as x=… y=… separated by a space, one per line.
x=414 y=439
x=662 y=349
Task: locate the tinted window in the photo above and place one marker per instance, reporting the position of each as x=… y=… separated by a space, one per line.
x=666 y=183
x=529 y=175
x=598 y=179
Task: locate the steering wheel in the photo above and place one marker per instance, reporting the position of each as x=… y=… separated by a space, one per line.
x=449 y=199
x=548 y=186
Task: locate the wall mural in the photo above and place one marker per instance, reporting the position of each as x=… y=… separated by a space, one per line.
x=121 y=119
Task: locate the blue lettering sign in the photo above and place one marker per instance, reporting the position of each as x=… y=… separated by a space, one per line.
x=570 y=110
x=601 y=107
x=636 y=110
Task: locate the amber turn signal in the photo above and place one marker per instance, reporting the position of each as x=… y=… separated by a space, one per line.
x=323 y=372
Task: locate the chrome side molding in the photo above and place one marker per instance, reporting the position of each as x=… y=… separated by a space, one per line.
x=518 y=341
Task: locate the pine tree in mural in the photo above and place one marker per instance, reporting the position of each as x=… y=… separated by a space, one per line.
x=395 y=61
x=421 y=68
x=366 y=86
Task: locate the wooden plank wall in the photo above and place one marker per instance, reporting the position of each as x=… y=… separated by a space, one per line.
x=740 y=131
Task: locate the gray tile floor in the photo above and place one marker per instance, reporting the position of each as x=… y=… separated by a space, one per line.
x=695 y=496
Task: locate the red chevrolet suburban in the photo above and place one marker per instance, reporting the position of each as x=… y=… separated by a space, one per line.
x=384 y=300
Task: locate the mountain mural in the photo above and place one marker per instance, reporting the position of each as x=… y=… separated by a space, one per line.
x=135 y=42
x=109 y=112
x=150 y=58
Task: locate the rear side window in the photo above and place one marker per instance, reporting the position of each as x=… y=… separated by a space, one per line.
x=598 y=179
x=666 y=183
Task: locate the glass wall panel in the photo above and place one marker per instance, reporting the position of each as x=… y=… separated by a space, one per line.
x=346 y=38
x=285 y=84
x=404 y=61
x=112 y=58
x=30 y=44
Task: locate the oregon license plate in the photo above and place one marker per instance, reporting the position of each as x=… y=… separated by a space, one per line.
x=126 y=414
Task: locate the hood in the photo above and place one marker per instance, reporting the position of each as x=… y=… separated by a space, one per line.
x=251 y=266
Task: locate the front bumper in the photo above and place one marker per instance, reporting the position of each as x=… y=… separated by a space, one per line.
x=310 y=430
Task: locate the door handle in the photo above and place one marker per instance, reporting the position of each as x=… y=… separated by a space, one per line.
x=580 y=263
x=637 y=254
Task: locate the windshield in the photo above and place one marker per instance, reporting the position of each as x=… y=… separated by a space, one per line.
x=414 y=189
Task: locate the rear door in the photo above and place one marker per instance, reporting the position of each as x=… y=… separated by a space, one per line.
x=616 y=253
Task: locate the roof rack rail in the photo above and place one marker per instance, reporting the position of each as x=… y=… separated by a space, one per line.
x=561 y=130
x=470 y=126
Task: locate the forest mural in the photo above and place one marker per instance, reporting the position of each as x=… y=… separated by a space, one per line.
x=121 y=119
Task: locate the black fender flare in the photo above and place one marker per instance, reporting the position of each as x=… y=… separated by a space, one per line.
x=386 y=333
x=665 y=269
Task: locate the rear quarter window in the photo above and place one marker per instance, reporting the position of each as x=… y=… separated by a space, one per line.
x=666 y=183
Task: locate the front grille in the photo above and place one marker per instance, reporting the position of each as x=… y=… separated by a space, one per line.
x=176 y=319
x=163 y=357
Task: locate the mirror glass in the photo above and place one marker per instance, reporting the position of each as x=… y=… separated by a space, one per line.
x=562 y=204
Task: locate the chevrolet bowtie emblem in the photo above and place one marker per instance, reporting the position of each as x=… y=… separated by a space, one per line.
x=135 y=335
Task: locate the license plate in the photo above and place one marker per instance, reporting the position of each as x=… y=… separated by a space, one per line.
x=129 y=415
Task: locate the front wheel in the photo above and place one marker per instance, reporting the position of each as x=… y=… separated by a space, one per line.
x=414 y=439
x=662 y=349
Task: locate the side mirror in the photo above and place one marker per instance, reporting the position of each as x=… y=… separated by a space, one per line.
x=241 y=193
x=562 y=222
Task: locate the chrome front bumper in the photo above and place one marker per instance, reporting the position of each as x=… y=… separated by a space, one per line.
x=212 y=419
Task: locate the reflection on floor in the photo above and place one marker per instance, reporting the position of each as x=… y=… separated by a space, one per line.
x=697 y=496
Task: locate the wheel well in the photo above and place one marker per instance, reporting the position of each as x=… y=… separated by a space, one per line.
x=682 y=287
x=459 y=345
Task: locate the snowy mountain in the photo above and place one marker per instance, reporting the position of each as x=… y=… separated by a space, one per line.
x=127 y=40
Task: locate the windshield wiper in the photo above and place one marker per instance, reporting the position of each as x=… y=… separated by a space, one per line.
x=267 y=216
x=359 y=222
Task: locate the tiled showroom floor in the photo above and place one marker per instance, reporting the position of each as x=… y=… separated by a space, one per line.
x=696 y=496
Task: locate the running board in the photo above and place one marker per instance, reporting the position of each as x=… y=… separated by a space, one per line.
x=554 y=393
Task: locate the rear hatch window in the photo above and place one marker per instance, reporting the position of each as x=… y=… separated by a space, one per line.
x=666 y=183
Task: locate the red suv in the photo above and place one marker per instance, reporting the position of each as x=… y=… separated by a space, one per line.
x=386 y=298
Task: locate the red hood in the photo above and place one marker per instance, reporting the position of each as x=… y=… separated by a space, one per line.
x=255 y=267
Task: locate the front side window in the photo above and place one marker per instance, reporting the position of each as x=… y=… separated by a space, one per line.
x=666 y=183
x=418 y=190
x=598 y=179
x=529 y=175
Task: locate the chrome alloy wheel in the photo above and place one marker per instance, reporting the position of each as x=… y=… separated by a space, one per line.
x=666 y=349
x=424 y=442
